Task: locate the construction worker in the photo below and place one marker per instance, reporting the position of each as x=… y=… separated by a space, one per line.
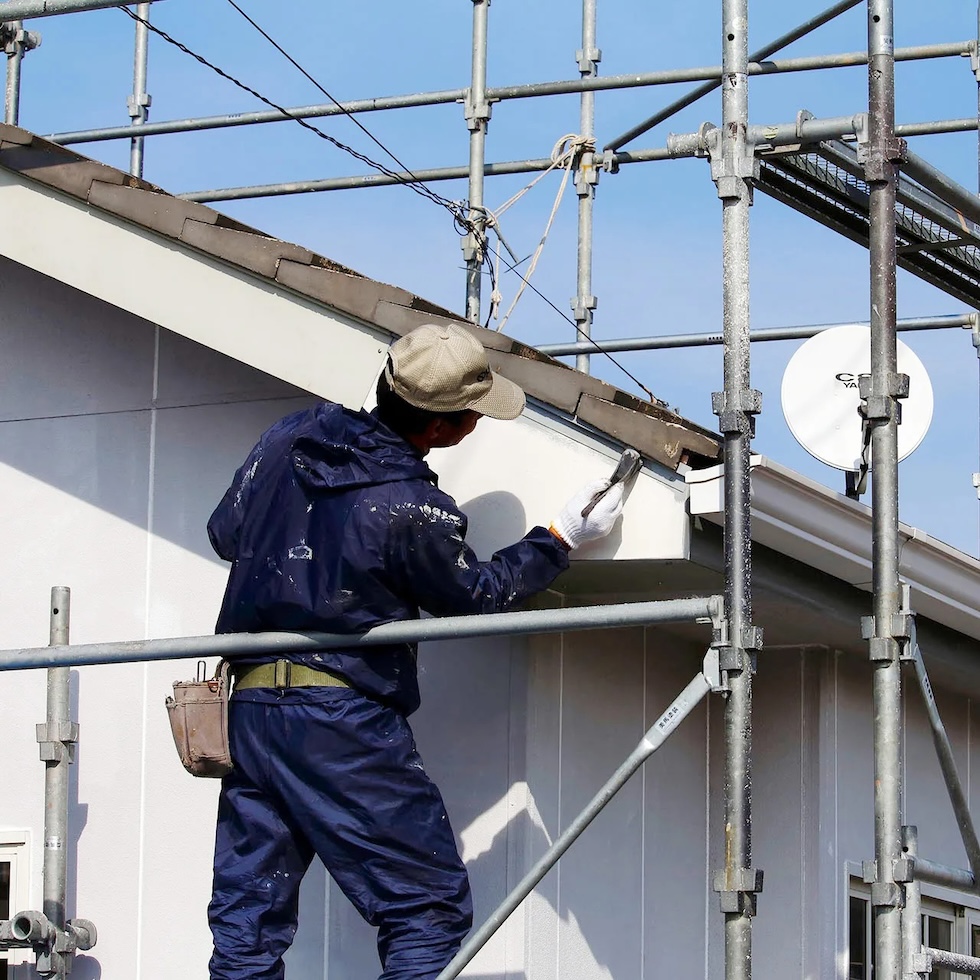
x=334 y=523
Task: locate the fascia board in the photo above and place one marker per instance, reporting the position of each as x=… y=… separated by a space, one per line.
x=547 y=460
x=828 y=531
x=246 y=317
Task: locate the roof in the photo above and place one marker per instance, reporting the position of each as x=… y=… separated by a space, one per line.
x=650 y=427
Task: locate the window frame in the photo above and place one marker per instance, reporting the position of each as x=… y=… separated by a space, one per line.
x=15 y=850
x=961 y=910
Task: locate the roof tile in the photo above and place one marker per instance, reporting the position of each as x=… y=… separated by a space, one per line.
x=251 y=251
x=668 y=439
x=353 y=294
x=159 y=212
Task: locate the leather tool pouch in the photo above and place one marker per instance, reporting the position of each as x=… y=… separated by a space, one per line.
x=199 y=720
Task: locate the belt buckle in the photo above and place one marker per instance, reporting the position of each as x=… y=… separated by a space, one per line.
x=283 y=668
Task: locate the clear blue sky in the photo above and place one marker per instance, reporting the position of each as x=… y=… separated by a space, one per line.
x=657 y=235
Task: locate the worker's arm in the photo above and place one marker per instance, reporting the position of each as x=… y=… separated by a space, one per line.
x=430 y=559
x=435 y=566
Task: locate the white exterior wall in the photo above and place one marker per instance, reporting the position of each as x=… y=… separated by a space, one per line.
x=110 y=428
x=117 y=438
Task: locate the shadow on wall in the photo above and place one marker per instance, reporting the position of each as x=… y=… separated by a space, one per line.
x=495 y=520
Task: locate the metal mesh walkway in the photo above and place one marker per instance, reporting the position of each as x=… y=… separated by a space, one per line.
x=934 y=240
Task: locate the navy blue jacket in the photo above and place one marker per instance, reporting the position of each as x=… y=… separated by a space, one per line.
x=334 y=523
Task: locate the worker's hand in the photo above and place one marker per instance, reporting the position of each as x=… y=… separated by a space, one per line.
x=601 y=513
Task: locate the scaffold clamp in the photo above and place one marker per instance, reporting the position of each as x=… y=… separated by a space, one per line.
x=736 y=411
x=879 y=403
x=737 y=889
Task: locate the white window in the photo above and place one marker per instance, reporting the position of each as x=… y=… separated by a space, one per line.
x=945 y=925
x=14 y=896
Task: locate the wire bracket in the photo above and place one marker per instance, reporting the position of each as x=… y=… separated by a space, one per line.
x=879 y=402
x=734 y=164
x=880 y=158
x=736 y=657
x=737 y=889
x=56 y=741
x=588 y=60
x=476 y=113
x=736 y=412
x=15 y=40
x=138 y=104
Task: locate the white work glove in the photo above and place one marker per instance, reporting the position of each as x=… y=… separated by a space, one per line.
x=574 y=529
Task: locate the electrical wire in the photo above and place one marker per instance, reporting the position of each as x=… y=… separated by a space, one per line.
x=415 y=180
x=455 y=208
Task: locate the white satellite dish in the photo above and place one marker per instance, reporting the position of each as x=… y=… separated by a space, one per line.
x=820 y=396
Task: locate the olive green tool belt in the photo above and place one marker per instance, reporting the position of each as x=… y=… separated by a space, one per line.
x=284 y=674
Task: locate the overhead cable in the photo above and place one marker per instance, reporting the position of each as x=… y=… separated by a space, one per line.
x=455 y=208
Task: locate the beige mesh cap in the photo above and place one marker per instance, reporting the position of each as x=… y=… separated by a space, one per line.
x=445 y=369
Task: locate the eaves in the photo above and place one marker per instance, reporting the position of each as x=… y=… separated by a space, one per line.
x=828 y=531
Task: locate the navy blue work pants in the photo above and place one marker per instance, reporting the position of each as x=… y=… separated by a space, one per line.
x=329 y=772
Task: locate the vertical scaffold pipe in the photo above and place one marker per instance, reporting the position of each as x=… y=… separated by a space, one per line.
x=56 y=754
x=15 y=56
x=882 y=154
x=735 y=406
x=477 y=119
x=139 y=101
x=586 y=179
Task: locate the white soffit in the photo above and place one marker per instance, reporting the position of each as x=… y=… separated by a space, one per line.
x=508 y=477
x=801 y=518
x=246 y=317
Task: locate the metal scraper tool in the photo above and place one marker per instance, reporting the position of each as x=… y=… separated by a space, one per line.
x=625 y=472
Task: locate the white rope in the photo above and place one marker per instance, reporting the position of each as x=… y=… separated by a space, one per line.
x=563 y=155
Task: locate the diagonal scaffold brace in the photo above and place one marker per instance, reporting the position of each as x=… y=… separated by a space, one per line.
x=708 y=679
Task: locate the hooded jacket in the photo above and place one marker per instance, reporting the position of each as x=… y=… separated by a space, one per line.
x=334 y=523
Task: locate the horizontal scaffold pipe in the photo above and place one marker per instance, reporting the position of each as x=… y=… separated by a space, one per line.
x=706 y=608
x=939 y=874
x=503 y=93
x=942 y=186
x=957 y=962
x=965 y=320
x=679 y=146
x=25 y=9
x=968 y=125
x=381 y=180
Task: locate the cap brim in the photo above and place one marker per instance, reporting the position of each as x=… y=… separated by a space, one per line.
x=504 y=400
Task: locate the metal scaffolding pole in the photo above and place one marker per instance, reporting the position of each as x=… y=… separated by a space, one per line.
x=733 y=165
x=962 y=320
x=139 y=102
x=586 y=179
x=701 y=609
x=678 y=146
x=912 y=910
x=57 y=738
x=15 y=56
x=477 y=120
x=849 y=59
x=15 y=43
x=880 y=392
x=22 y=9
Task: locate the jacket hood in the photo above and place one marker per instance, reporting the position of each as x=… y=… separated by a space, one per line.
x=343 y=450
